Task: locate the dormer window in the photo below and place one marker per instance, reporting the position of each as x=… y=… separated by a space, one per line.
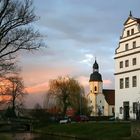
x=126 y=47
x=132 y=31
x=128 y=33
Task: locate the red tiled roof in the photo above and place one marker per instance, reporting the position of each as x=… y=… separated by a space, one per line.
x=109 y=96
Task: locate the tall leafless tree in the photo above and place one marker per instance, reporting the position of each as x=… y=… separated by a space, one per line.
x=16 y=31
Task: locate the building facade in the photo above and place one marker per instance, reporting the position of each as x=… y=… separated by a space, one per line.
x=127 y=71
x=100 y=101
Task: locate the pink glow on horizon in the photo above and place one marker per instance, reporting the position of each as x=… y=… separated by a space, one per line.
x=43 y=87
x=107 y=83
x=39 y=88
x=83 y=80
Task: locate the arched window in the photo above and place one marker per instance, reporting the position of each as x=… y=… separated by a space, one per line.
x=95 y=88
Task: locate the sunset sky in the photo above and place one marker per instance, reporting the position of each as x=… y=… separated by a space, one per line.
x=75 y=32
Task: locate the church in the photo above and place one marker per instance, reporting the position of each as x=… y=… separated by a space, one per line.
x=101 y=101
x=127 y=71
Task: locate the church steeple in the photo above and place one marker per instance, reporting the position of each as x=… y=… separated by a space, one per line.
x=95 y=66
x=95 y=76
x=130 y=14
x=95 y=83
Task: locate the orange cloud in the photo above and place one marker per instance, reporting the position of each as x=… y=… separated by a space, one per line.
x=39 y=75
x=83 y=80
x=107 y=82
x=39 y=88
x=37 y=80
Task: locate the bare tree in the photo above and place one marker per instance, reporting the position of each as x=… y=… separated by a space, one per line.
x=16 y=32
x=13 y=92
x=66 y=92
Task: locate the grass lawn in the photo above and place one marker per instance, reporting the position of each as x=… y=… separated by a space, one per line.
x=91 y=129
x=4 y=136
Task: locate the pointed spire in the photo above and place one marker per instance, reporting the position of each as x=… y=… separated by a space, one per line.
x=95 y=66
x=95 y=60
x=130 y=14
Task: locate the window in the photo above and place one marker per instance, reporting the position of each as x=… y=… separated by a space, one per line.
x=128 y=33
x=134 y=44
x=126 y=47
x=121 y=64
x=121 y=83
x=132 y=31
x=134 y=81
x=121 y=109
x=134 y=61
x=95 y=88
x=126 y=63
x=127 y=82
x=134 y=107
x=113 y=110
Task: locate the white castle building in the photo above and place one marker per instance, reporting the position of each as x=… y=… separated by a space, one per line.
x=127 y=71
x=101 y=101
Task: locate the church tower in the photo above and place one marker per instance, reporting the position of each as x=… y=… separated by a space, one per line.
x=95 y=83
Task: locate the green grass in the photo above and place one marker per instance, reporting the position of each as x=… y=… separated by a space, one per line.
x=86 y=131
x=90 y=129
x=4 y=136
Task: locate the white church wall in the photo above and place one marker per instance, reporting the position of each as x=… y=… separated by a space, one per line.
x=111 y=108
x=101 y=102
x=106 y=109
x=91 y=103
